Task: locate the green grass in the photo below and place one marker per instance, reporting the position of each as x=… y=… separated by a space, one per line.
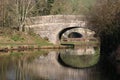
x=41 y=42
x=11 y=37
x=86 y=5
x=17 y=38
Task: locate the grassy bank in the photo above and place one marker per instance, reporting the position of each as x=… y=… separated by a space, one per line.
x=13 y=40
x=13 y=37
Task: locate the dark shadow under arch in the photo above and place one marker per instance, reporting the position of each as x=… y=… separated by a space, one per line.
x=75 y=35
x=64 y=30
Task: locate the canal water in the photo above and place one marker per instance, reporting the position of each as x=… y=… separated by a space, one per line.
x=82 y=63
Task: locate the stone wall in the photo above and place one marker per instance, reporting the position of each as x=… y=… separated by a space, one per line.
x=55 y=19
x=50 y=26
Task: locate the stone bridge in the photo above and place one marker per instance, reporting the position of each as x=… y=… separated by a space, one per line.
x=54 y=26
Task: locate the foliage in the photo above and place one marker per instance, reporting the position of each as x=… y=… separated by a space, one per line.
x=65 y=7
x=41 y=8
x=104 y=16
x=104 y=19
x=71 y=6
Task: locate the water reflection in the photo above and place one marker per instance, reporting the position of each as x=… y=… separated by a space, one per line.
x=80 y=58
x=81 y=50
x=34 y=66
x=48 y=67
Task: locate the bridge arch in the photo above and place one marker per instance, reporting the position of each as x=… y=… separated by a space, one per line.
x=63 y=30
x=53 y=26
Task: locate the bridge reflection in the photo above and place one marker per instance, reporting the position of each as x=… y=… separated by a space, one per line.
x=80 y=58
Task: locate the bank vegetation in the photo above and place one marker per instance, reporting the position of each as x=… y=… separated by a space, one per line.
x=104 y=19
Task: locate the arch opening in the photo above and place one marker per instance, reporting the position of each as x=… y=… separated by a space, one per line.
x=75 y=35
x=63 y=31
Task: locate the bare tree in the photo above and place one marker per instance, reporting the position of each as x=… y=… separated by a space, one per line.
x=19 y=10
x=3 y=13
x=13 y=13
